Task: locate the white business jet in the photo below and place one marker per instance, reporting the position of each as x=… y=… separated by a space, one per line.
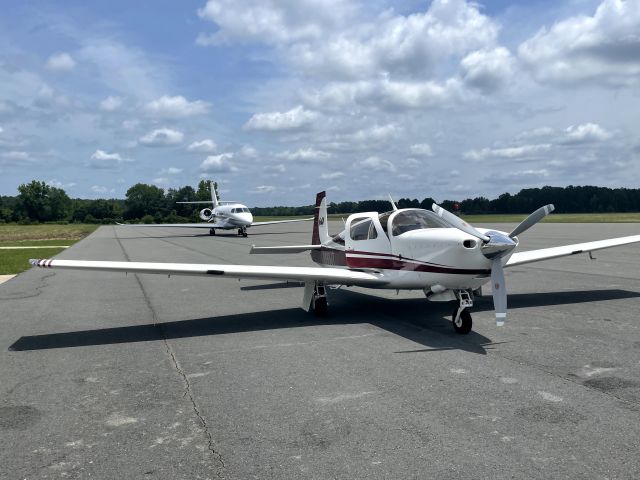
x=221 y=215
x=408 y=249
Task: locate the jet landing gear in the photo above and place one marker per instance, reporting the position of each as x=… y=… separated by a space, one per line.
x=462 y=322
x=242 y=231
x=212 y=231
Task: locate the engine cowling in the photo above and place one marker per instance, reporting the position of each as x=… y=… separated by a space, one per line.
x=206 y=214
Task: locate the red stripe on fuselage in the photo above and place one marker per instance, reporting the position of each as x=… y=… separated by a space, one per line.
x=394 y=264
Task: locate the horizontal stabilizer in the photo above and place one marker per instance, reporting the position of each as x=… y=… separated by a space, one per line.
x=285 y=249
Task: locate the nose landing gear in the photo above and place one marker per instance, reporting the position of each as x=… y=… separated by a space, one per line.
x=242 y=231
x=212 y=231
x=462 y=322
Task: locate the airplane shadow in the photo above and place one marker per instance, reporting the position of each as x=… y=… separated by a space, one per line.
x=427 y=324
x=218 y=234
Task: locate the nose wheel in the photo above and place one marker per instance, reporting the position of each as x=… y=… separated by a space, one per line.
x=462 y=322
x=212 y=231
x=242 y=231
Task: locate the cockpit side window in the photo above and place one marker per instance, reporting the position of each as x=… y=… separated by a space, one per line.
x=360 y=228
x=415 y=220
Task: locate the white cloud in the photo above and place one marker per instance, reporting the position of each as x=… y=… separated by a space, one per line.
x=203 y=146
x=102 y=159
x=293 y=119
x=61 y=62
x=488 y=70
x=585 y=133
x=602 y=48
x=304 y=155
x=15 y=156
x=111 y=103
x=377 y=164
x=274 y=169
x=274 y=23
x=331 y=175
x=161 y=181
x=162 y=136
x=507 y=152
x=421 y=149
x=217 y=163
x=248 y=151
x=59 y=184
x=264 y=189
x=99 y=189
x=171 y=171
x=175 y=107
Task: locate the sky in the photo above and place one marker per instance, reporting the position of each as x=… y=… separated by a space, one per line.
x=277 y=100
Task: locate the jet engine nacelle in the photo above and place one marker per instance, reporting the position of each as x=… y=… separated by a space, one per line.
x=206 y=214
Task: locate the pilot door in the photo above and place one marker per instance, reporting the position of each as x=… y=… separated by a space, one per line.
x=366 y=242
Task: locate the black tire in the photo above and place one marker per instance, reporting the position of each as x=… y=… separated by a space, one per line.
x=240 y=232
x=245 y=234
x=320 y=307
x=212 y=231
x=464 y=322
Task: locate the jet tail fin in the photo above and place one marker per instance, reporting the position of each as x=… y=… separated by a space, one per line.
x=320 y=221
x=214 y=197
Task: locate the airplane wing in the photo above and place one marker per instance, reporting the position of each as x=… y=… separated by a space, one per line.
x=257 y=224
x=556 y=252
x=173 y=225
x=332 y=276
x=285 y=249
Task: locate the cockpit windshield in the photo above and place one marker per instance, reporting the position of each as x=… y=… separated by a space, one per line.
x=415 y=220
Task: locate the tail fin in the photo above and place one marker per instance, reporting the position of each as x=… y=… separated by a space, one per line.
x=320 y=221
x=214 y=197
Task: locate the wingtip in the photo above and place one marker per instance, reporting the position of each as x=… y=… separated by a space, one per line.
x=34 y=261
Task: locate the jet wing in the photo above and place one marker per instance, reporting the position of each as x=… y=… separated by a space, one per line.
x=173 y=225
x=257 y=224
x=556 y=252
x=332 y=276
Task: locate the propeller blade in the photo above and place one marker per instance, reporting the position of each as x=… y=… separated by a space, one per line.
x=499 y=291
x=458 y=223
x=532 y=219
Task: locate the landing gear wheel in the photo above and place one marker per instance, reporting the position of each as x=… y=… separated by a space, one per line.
x=243 y=231
x=464 y=323
x=320 y=308
x=240 y=231
x=212 y=231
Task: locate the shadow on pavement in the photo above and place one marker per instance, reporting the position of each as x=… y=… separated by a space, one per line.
x=415 y=319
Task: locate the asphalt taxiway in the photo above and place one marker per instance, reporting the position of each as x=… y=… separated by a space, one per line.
x=106 y=375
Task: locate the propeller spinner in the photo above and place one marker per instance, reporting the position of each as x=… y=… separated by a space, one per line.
x=495 y=246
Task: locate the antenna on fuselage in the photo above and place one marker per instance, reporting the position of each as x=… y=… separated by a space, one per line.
x=393 y=205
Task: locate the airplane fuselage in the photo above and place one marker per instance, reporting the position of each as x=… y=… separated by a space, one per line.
x=426 y=254
x=228 y=216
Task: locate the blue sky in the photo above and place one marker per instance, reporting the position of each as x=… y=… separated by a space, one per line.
x=277 y=100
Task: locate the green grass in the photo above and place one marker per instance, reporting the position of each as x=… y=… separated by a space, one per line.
x=16 y=261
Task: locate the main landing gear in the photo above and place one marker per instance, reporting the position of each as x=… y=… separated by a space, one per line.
x=242 y=231
x=462 y=322
x=315 y=298
x=212 y=231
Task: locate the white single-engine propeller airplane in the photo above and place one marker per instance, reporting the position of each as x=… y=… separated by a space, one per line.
x=410 y=248
x=221 y=215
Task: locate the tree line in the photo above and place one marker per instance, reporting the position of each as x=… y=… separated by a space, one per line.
x=39 y=202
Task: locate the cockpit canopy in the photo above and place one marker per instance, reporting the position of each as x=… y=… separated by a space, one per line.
x=240 y=210
x=411 y=219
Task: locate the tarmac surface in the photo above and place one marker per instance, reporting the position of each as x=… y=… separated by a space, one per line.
x=106 y=375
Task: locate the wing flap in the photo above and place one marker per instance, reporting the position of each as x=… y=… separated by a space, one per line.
x=531 y=256
x=334 y=276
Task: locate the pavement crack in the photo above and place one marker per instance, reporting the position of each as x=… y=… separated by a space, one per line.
x=188 y=392
x=38 y=289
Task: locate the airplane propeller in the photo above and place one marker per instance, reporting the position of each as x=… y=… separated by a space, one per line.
x=495 y=246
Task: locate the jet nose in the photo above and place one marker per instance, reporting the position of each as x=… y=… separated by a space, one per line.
x=247 y=217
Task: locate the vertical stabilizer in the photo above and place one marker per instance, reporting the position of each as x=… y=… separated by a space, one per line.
x=393 y=204
x=320 y=221
x=214 y=197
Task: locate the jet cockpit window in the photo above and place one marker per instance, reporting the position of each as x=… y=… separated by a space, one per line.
x=246 y=210
x=234 y=210
x=362 y=229
x=415 y=220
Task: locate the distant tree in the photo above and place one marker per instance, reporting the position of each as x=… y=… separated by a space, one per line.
x=203 y=192
x=143 y=199
x=42 y=202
